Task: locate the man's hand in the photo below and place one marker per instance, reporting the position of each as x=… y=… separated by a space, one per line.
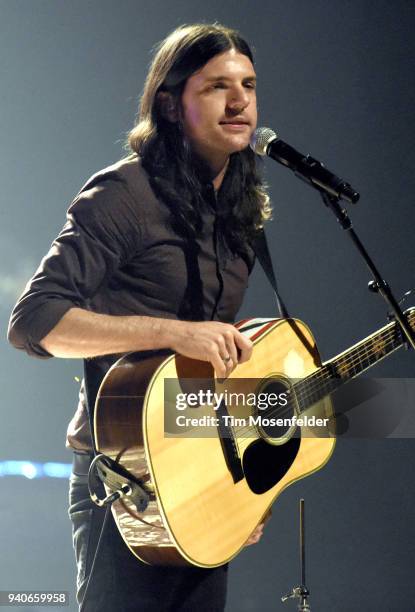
x=256 y=535
x=219 y=343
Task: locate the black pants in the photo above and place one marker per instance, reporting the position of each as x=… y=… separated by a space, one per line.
x=121 y=582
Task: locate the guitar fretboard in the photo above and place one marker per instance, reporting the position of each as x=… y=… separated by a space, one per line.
x=350 y=363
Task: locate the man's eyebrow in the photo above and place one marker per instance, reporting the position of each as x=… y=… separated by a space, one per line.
x=224 y=78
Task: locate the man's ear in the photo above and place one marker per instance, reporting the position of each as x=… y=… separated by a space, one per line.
x=168 y=106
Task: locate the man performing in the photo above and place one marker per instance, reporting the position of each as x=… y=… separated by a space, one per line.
x=155 y=254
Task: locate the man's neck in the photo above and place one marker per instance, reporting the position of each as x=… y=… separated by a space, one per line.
x=217 y=180
x=212 y=171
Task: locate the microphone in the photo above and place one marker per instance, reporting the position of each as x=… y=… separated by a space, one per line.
x=265 y=141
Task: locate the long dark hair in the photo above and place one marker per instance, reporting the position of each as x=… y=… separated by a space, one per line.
x=175 y=173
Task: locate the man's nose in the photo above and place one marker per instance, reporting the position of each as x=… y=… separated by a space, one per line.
x=238 y=100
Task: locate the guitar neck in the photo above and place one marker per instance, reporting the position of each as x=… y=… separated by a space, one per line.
x=350 y=363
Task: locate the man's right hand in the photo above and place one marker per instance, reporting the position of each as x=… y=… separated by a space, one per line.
x=221 y=344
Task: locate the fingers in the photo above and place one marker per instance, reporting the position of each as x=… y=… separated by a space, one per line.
x=244 y=345
x=238 y=346
x=232 y=348
x=219 y=365
x=256 y=535
x=227 y=351
x=221 y=344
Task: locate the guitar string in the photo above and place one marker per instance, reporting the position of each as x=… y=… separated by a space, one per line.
x=360 y=354
x=368 y=350
x=364 y=351
x=302 y=398
x=321 y=383
x=322 y=378
x=318 y=380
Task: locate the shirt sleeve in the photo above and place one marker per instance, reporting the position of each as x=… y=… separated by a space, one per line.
x=101 y=233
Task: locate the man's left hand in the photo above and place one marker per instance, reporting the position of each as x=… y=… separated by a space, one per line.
x=256 y=535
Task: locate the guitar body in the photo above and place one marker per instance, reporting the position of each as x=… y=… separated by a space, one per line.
x=199 y=515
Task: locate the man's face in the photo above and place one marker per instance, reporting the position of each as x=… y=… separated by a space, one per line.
x=218 y=107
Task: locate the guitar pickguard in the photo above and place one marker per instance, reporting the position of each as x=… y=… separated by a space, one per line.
x=265 y=465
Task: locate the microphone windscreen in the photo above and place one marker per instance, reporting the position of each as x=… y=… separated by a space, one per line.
x=261 y=139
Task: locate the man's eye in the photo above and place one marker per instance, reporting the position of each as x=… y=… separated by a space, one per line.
x=250 y=85
x=219 y=86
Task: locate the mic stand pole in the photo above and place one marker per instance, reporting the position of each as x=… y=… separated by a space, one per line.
x=300 y=592
x=378 y=285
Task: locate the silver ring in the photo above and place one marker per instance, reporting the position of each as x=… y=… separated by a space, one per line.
x=226 y=359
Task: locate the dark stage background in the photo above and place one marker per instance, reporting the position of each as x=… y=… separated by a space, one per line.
x=336 y=80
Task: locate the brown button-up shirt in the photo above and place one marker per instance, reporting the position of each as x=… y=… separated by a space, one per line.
x=117 y=254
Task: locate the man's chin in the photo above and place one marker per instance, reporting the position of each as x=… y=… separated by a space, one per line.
x=241 y=148
x=239 y=142
x=237 y=146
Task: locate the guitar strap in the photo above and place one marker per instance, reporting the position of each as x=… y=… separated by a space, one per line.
x=260 y=246
x=261 y=250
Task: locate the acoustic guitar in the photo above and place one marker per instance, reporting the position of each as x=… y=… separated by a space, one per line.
x=212 y=471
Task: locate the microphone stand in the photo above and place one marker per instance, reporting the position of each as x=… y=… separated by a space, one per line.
x=332 y=189
x=300 y=592
x=378 y=285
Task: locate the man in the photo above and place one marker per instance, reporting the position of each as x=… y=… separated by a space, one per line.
x=155 y=254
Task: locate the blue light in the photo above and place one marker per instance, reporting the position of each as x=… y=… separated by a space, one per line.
x=30 y=470
x=57 y=470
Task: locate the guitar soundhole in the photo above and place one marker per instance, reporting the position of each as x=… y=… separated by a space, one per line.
x=275 y=410
x=264 y=464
